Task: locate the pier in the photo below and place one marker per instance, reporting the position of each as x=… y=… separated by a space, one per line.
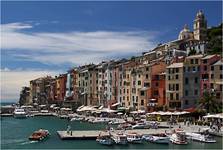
x=93 y=134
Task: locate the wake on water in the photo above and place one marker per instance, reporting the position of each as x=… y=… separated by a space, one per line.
x=28 y=142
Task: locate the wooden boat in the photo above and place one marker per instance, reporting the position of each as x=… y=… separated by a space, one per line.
x=39 y=135
x=158 y=138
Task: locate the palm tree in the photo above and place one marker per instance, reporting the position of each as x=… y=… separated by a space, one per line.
x=209 y=103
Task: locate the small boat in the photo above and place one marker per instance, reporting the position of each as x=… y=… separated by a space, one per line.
x=120 y=138
x=200 y=137
x=100 y=120
x=20 y=113
x=134 y=137
x=158 y=138
x=178 y=137
x=39 y=135
x=105 y=140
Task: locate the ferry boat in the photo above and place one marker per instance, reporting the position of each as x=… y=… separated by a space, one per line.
x=39 y=135
x=105 y=140
x=134 y=137
x=200 y=137
x=120 y=138
x=158 y=138
x=178 y=137
x=20 y=113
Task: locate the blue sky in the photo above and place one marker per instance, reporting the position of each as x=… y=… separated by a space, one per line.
x=50 y=37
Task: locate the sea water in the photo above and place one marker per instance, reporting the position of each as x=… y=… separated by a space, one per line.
x=15 y=133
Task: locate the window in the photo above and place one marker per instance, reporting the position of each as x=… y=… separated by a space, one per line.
x=186 y=92
x=221 y=67
x=133 y=98
x=195 y=92
x=220 y=87
x=120 y=99
x=139 y=75
x=177 y=87
x=127 y=91
x=177 y=76
x=195 y=80
x=147 y=76
x=120 y=91
x=212 y=68
x=205 y=61
x=142 y=93
x=186 y=81
x=123 y=90
x=169 y=87
x=194 y=69
x=212 y=76
x=177 y=96
x=188 y=69
x=136 y=99
x=139 y=82
x=192 y=61
x=146 y=84
x=212 y=85
x=123 y=98
x=171 y=96
x=142 y=102
x=147 y=68
x=196 y=61
x=205 y=68
x=127 y=98
x=157 y=84
x=177 y=70
x=156 y=93
x=168 y=77
x=220 y=76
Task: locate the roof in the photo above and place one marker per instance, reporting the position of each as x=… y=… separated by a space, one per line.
x=175 y=65
x=220 y=62
x=194 y=56
x=208 y=56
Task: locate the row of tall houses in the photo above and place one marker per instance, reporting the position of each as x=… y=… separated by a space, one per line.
x=167 y=77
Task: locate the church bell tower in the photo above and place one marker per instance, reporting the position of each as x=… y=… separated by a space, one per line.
x=200 y=27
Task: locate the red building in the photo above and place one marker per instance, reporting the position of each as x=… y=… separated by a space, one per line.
x=60 y=87
x=205 y=69
x=156 y=92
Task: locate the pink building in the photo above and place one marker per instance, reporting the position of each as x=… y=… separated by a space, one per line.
x=205 y=69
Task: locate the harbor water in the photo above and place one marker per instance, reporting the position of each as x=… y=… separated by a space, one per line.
x=15 y=133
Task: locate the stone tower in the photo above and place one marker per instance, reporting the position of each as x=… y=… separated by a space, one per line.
x=200 y=27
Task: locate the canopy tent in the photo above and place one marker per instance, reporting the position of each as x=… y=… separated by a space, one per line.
x=214 y=116
x=108 y=110
x=53 y=105
x=28 y=106
x=168 y=113
x=86 y=108
x=138 y=112
x=65 y=109
x=116 y=104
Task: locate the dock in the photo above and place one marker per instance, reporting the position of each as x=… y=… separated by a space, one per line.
x=93 y=134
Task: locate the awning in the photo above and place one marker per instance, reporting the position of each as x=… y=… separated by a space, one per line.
x=66 y=109
x=116 y=104
x=214 y=116
x=100 y=107
x=144 y=89
x=53 y=105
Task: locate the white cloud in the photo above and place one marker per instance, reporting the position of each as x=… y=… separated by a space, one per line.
x=13 y=80
x=72 y=46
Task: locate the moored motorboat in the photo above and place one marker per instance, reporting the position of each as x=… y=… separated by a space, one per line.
x=39 y=135
x=200 y=137
x=120 y=138
x=20 y=113
x=158 y=138
x=178 y=137
x=105 y=140
x=140 y=125
x=134 y=137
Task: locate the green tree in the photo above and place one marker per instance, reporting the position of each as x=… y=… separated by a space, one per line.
x=209 y=103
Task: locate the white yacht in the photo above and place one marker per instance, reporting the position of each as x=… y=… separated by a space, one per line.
x=120 y=138
x=178 y=137
x=20 y=113
x=134 y=138
x=200 y=137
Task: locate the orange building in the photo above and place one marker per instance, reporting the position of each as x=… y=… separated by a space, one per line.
x=60 y=87
x=156 y=92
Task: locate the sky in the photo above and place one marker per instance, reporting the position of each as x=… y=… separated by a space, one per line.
x=47 y=38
